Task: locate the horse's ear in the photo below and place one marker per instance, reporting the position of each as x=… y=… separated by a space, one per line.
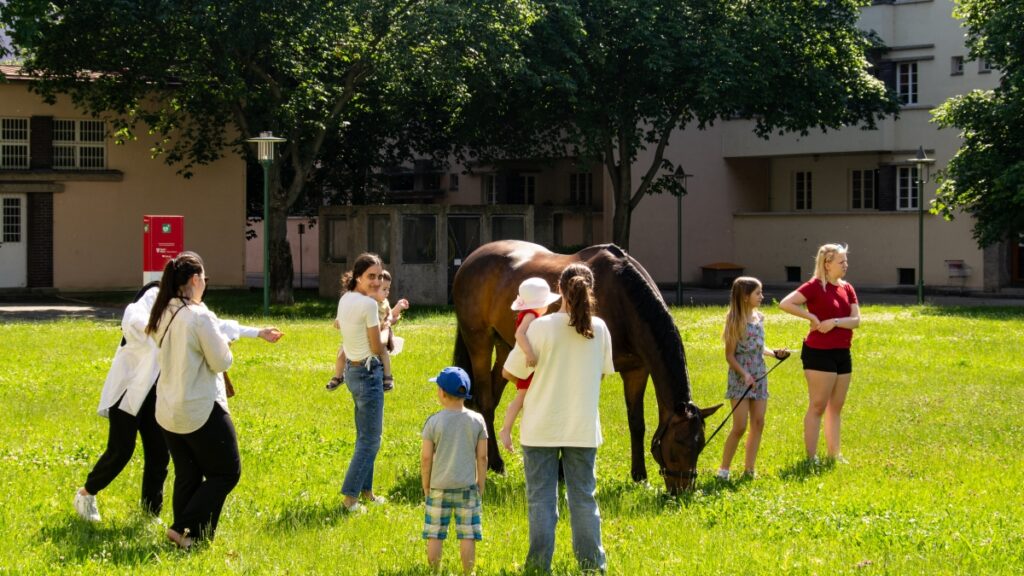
x=705 y=412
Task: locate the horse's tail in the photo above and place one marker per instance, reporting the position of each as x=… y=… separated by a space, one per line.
x=461 y=357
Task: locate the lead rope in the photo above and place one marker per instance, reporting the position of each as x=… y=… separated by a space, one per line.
x=744 y=397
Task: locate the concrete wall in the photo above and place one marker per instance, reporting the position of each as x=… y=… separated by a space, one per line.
x=879 y=243
x=344 y=234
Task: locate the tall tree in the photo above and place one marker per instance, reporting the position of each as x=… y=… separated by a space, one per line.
x=609 y=78
x=985 y=178
x=204 y=75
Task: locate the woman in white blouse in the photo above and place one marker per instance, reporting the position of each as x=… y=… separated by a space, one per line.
x=190 y=406
x=128 y=402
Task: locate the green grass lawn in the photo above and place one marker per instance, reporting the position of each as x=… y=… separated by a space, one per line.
x=932 y=429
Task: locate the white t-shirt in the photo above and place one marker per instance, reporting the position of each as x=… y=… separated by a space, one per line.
x=561 y=405
x=356 y=313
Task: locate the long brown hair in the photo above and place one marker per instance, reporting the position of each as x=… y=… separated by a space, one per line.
x=577 y=287
x=363 y=261
x=177 y=272
x=739 y=308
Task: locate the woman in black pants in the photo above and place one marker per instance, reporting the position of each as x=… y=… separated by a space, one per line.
x=128 y=400
x=190 y=406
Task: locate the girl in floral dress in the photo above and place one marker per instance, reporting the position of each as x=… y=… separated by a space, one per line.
x=745 y=352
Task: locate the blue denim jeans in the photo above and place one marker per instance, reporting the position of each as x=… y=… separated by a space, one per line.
x=541 y=467
x=367 y=389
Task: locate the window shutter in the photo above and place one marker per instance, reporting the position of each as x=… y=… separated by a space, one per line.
x=886 y=188
x=41 y=142
x=886 y=72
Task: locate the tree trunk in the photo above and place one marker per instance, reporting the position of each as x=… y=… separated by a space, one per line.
x=622 y=190
x=281 y=270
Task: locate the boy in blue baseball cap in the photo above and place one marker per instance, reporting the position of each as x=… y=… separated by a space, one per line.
x=453 y=469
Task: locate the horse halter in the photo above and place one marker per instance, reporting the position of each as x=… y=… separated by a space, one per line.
x=659 y=457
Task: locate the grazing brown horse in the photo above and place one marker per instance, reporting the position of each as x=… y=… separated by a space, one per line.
x=645 y=342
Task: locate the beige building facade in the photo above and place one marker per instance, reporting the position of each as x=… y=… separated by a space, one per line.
x=73 y=200
x=766 y=205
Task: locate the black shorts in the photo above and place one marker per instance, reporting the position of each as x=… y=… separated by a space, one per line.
x=835 y=360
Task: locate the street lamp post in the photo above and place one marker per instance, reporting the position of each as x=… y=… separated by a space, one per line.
x=680 y=174
x=265 y=152
x=921 y=163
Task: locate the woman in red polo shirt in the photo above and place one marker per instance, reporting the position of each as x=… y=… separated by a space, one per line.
x=830 y=304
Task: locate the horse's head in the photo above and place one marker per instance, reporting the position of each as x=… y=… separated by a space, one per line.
x=678 y=442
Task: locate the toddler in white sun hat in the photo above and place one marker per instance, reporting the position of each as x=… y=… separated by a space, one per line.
x=535 y=296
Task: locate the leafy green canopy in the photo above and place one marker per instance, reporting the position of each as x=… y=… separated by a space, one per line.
x=201 y=76
x=985 y=177
x=607 y=79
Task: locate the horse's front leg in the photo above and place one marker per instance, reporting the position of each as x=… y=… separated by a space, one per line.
x=634 y=384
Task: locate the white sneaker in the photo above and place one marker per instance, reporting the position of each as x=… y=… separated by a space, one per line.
x=355 y=508
x=85 y=505
x=722 y=474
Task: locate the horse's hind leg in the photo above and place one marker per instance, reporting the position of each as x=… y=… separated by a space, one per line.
x=634 y=384
x=480 y=345
x=498 y=382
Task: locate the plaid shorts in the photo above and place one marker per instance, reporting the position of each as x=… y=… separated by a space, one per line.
x=464 y=503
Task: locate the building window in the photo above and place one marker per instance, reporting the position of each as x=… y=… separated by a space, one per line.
x=862 y=189
x=453 y=181
x=79 y=144
x=378 y=234
x=522 y=189
x=337 y=239
x=906 y=188
x=956 y=66
x=802 y=191
x=793 y=274
x=508 y=228
x=581 y=189
x=12 y=220
x=14 y=143
x=905 y=276
x=984 y=66
x=463 y=236
x=490 y=189
x=419 y=239
x=906 y=82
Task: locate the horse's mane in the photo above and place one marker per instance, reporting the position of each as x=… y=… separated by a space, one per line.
x=652 y=311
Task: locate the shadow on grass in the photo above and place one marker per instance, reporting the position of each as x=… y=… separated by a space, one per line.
x=137 y=542
x=301 y=512
x=1008 y=313
x=804 y=469
x=616 y=498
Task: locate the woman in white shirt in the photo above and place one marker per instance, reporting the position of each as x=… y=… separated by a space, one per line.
x=364 y=374
x=560 y=419
x=189 y=406
x=128 y=401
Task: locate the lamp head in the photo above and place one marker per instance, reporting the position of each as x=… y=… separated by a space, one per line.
x=922 y=162
x=265 y=145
